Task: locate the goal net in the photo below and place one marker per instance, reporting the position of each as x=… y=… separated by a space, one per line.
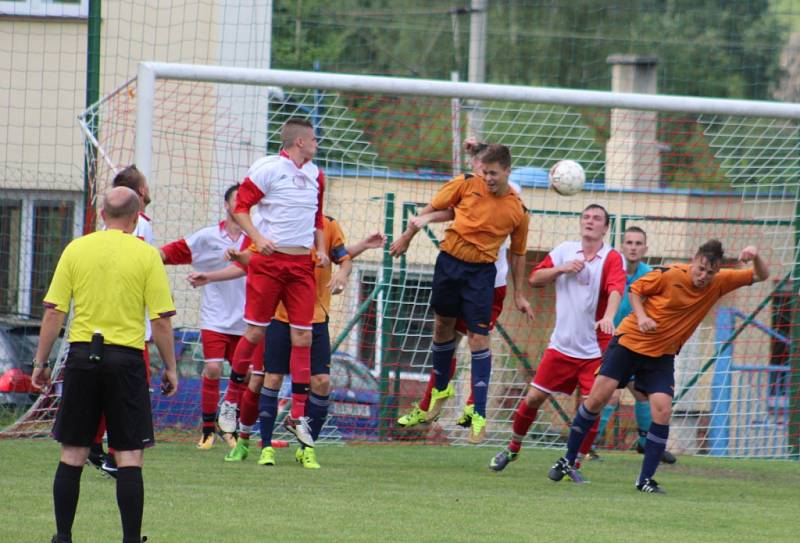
x=685 y=170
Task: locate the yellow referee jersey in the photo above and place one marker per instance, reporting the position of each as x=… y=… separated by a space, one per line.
x=111 y=277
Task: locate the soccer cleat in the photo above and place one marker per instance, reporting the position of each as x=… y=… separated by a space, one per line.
x=650 y=486
x=477 y=432
x=301 y=429
x=97 y=459
x=239 y=452
x=502 y=459
x=306 y=457
x=562 y=468
x=267 y=457
x=206 y=442
x=60 y=539
x=413 y=417
x=593 y=456
x=465 y=420
x=227 y=417
x=437 y=400
x=109 y=466
x=666 y=457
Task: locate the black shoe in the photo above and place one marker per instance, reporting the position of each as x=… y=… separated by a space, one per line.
x=562 y=468
x=109 y=466
x=593 y=456
x=650 y=486
x=668 y=458
x=60 y=539
x=96 y=459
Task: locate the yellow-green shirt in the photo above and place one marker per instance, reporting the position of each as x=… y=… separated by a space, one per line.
x=111 y=276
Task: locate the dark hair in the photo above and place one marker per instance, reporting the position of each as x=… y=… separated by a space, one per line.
x=636 y=230
x=473 y=149
x=598 y=206
x=496 y=153
x=711 y=251
x=230 y=190
x=292 y=129
x=129 y=177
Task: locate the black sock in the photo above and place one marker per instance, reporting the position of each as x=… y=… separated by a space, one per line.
x=130 y=500
x=66 y=490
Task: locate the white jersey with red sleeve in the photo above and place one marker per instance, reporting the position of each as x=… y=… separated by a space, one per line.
x=144 y=229
x=288 y=198
x=222 y=306
x=501 y=264
x=581 y=298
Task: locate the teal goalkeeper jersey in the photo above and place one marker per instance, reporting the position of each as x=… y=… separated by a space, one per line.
x=625 y=305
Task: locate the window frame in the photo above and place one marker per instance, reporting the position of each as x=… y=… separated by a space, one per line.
x=45 y=8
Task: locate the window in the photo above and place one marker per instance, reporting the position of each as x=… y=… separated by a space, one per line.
x=406 y=318
x=10 y=241
x=45 y=8
x=782 y=306
x=34 y=229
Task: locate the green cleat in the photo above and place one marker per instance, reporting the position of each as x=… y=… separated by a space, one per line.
x=307 y=458
x=239 y=452
x=465 y=420
x=437 y=401
x=267 y=457
x=477 y=432
x=413 y=417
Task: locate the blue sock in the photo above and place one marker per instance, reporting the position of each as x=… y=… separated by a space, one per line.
x=317 y=411
x=643 y=420
x=582 y=423
x=442 y=353
x=267 y=412
x=481 y=374
x=653 y=449
x=605 y=416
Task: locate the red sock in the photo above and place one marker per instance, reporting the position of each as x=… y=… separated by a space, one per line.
x=300 y=367
x=523 y=419
x=209 y=398
x=101 y=430
x=425 y=404
x=586 y=444
x=242 y=358
x=248 y=412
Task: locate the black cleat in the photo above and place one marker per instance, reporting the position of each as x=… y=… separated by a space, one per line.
x=650 y=486
x=562 y=468
x=668 y=458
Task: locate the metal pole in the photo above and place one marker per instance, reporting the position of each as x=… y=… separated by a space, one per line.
x=477 y=61
x=455 y=125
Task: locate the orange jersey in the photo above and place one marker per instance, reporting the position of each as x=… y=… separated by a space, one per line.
x=482 y=220
x=335 y=244
x=676 y=306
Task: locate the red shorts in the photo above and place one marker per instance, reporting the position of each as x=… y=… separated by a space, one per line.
x=497 y=308
x=558 y=372
x=280 y=278
x=218 y=347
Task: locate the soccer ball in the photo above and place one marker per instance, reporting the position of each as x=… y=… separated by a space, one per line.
x=567 y=177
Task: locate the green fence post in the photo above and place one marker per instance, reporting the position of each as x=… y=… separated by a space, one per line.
x=92 y=96
x=387 y=356
x=794 y=344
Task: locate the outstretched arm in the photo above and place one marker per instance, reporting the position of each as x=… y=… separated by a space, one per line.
x=375 y=240
x=198 y=279
x=546 y=276
x=760 y=268
x=400 y=245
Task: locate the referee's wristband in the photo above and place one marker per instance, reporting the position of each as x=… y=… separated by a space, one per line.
x=40 y=365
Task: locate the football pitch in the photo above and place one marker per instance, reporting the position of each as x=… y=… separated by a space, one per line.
x=374 y=493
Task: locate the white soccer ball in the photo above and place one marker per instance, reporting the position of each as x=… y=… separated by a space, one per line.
x=567 y=177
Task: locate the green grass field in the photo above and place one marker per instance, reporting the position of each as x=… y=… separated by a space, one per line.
x=407 y=493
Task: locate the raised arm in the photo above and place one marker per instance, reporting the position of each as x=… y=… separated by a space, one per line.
x=760 y=267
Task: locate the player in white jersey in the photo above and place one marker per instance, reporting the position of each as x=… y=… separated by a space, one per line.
x=419 y=411
x=287 y=190
x=133 y=179
x=589 y=280
x=222 y=306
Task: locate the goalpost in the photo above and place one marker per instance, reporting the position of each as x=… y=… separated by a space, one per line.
x=684 y=169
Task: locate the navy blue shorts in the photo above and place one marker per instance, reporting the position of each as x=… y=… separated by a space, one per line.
x=464 y=290
x=279 y=348
x=650 y=374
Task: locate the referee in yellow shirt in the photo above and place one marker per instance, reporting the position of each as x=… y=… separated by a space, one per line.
x=110 y=277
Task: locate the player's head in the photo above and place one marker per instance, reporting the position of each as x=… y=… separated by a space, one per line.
x=474 y=148
x=634 y=244
x=298 y=135
x=120 y=209
x=496 y=165
x=135 y=180
x=594 y=222
x=706 y=263
x=230 y=198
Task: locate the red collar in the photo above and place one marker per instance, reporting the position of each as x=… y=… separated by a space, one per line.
x=284 y=154
x=225 y=232
x=145 y=217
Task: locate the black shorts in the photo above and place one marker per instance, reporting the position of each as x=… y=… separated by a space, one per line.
x=278 y=349
x=650 y=374
x=117 y=387
x=465 y=290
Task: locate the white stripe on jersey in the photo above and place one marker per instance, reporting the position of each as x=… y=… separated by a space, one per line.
x=501 y=279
